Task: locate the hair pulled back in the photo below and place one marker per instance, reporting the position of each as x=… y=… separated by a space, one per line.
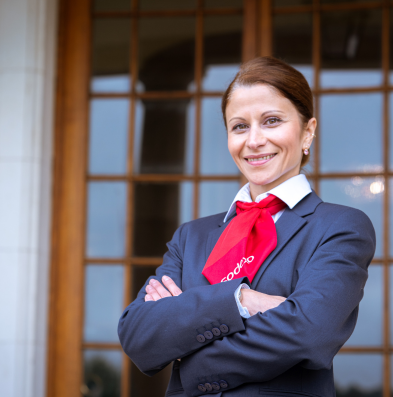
x=288 y=81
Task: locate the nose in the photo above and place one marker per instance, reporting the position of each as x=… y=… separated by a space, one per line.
x=256 y=137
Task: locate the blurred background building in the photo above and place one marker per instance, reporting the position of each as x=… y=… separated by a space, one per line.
x=111 y=136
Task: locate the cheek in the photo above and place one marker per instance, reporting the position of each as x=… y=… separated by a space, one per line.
x=234 y=145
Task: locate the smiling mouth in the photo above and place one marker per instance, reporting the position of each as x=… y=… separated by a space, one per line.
x=262 y=158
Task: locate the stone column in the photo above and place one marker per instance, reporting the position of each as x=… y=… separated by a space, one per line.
x=28 y=33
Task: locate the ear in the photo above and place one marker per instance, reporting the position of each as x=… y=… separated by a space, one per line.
x=309 y=133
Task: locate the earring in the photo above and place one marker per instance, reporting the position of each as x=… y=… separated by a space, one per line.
x=306 y=152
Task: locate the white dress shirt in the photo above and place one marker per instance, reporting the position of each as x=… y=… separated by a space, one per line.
x=290 y=192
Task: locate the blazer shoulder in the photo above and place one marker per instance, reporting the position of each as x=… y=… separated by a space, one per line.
x=344 y=216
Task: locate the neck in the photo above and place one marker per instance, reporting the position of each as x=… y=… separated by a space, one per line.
x=256 y=190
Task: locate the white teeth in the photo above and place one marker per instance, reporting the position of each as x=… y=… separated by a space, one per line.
x=262 y=158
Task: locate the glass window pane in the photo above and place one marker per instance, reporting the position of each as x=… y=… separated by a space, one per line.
x=164 y=137
x=166 y=5
x=351 y=132
x=216 y=197
x=139 y=276
x=391 y=131
x=223 y=3
x=391 y=46
x=283 y=3
x=215 y=157
x=159 y=209
x=112 y=5
x=351 y=48
x=358 y=375
x=222 y=51
x=102 y=373
x=111 y=55
x=166 y=53
x=106 y=219
x=391 y=217
x=292 y=42
x=103 y=302
x=362 y=193
x=108 y=140
x=368 y=330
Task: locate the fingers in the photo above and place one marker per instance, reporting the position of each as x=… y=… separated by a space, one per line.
x=148 y=297
x=152 y=292
x=171 y=285
x=163 y=292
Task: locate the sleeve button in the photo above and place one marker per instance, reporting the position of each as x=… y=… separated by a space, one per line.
x=208 y=335
x=200 y=338
x=201 y=388
x=215 y=386
x=223 y=384
x=208 y=387
x=224 y=328
x=216 y=332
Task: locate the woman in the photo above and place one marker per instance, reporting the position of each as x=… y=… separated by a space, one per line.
x=264 y=295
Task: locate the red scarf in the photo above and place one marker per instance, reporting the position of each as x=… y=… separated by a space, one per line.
x=245 y=243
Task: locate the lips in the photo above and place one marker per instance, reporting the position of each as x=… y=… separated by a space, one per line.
x=260 y=158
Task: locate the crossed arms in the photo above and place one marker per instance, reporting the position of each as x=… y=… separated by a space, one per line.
x=307 y=328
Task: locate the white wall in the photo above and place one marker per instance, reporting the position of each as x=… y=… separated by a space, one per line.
x=27 y=68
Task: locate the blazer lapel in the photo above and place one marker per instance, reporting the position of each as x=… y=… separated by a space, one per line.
x=213 y=237
x=290 y=222
x=286 y=227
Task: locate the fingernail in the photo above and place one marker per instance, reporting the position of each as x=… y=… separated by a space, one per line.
x=148 y=288
x=165 y=278
x=153 y=281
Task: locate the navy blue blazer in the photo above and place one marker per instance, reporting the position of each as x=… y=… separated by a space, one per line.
x=320 y=265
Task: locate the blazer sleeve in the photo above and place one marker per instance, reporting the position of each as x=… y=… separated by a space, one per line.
x=308 y=328
x=153 y=334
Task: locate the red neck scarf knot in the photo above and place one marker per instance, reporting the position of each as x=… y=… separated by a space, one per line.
x=246 y=242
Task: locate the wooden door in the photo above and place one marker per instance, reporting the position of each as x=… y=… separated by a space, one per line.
x=140 y=149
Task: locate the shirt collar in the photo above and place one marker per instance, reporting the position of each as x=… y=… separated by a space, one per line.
x=290 y=191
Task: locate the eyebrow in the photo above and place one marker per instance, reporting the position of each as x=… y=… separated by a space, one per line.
x=263 y=114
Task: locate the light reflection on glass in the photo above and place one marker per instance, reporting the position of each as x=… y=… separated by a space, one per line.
x=355 y=192
x=292 y=41
x=218 y=77
x=159 y=209
x=110 y=55
x=106 y=219
x=216 y=197
x=120 y=83
x=215 y=157
x=108 y=139
x=102 y=373
x=222 y=51
x=368 y=330
x=351 y=132
x=164 y=136
x=351 y=48
x=103 y=302
x=358 y=375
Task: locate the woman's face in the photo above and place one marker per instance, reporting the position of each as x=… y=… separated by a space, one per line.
x=266 y=136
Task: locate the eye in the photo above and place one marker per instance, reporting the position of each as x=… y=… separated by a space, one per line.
x=240 y=127
x=273 y=121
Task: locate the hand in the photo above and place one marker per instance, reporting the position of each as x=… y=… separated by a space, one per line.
x=155 y=290
x=256 y=301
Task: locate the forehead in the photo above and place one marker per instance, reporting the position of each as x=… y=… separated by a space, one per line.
x=260 y=97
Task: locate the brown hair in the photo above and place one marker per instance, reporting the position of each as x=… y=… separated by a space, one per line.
x=289 y=82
